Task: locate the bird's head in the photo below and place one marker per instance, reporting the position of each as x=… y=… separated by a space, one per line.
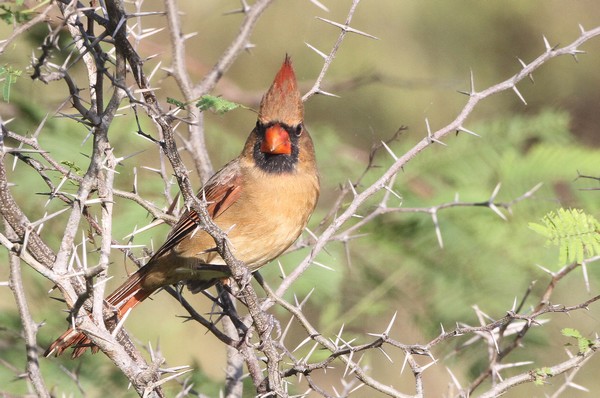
x=280 y=141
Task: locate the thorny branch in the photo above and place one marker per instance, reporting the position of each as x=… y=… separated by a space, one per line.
x=431 y=138
x=502 y=344
x=30 y=327
x=91 y=208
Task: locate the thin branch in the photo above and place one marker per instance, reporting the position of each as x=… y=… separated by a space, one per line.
x=345 y=28
x=239 y=44
x=196 y=142
x=541 y=375
x=19 y=30
x=30 y=328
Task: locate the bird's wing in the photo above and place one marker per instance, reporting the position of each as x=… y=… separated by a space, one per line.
x=220 y=192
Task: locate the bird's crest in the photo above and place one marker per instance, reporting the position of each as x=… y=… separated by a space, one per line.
x=282 y=103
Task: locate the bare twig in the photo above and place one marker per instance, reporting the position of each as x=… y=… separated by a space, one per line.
x=19 y=30
x=328 y=59
x=540 y=375
x=30 y=328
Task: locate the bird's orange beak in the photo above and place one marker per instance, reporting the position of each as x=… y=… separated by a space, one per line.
x=277 y=141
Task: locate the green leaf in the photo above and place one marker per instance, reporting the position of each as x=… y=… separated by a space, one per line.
x=583 y=343
x=72 y=166
x=540 y=229
x=576 y=234
x=541 y=375
x=12 y=16
x=568 y=332
x=175 y=102
x=10 y=77
x=216 y=104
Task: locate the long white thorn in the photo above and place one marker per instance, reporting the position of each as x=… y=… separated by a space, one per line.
x=321 y=54
x=320 y=5
x=347 y=28
x=430 y=135
x=464 y=130
x=516 y=90
x=387 y=148
x=389 y=327
x=547 y=44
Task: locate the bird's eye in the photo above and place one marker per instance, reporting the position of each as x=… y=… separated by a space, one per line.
x=299 y=129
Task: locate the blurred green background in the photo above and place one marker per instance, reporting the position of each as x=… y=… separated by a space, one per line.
x=424 y=56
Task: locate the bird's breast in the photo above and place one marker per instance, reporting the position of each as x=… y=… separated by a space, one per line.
x=269 y=216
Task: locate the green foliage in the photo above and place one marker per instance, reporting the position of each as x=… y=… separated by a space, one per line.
x=583 y=343
x=72 y=166
x=216 y=104
x=11 y=15
x=576 y=233
x=399 y=260
x=213 y=103
x=541 y=375
x=175 y=102
x=10 y=76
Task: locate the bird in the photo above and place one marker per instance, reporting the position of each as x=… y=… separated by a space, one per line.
x=262 y=199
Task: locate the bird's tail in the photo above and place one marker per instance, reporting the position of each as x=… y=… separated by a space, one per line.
x=127 y=296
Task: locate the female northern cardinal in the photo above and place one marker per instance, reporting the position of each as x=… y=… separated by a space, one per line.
x=262 y=199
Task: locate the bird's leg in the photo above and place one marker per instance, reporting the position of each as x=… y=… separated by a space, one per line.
x=259 y=279
x=215 y=303
x=244 y=280
x=275 y=322
x=229 y=309
x=179 y=290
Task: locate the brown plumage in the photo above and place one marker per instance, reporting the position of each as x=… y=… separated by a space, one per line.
x=263 y=198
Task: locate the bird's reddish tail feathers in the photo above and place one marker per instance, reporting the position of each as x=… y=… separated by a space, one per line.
x=127 y=296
